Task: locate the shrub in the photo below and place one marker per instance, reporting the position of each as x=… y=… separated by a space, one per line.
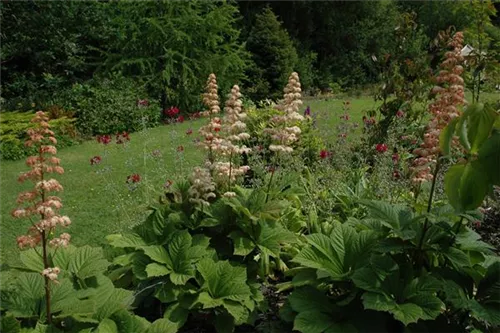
x=13 y=126
x=111 y=105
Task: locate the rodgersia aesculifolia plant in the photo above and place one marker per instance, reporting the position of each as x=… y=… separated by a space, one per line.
x=39 y=205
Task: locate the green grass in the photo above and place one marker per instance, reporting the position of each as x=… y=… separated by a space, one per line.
x=101 y=203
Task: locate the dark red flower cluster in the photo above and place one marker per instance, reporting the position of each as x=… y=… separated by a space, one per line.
x=95 y=160
x=189 y=132
x=134 y=178
x=122 y=137
x=104 y=139
x=395 y=158
x=381 y=147
x=195 y=115
x=324 y=154
x=180 y=119
x=172 y=112
x=370 y=121
x=342 y=135
x=344 y=117
x=400 y=114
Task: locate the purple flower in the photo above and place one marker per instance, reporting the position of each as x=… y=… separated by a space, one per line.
x=307 y=112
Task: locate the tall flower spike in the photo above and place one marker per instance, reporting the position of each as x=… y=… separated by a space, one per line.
x=450 y=96
x=286 y=131
x=38 y=205
x=210 y=131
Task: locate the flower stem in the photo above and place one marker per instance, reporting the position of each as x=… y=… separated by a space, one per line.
x=429 y=206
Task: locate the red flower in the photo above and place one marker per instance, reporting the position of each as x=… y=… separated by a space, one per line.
x=324 y=154
x=95 y=160
x=172 y=112
x=345 y=117
x=195 y=115
x=180 y=119
x=189 y=132
x=381 y=147
x=180 y=149
x=122 y=137
x=104 y=139
x=342 y=135
x=395 y=157
x=396 y=174
x=217 y=129
x=400 y=114
x=134 y=178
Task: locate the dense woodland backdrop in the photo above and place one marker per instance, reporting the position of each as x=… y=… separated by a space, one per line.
x=66 y=52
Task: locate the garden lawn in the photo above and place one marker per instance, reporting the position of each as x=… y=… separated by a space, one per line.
x=98 y=199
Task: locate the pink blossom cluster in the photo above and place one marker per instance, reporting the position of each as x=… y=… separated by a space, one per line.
x=450 y=92
x=37 y=201
x=285 y=131
x=211 y=100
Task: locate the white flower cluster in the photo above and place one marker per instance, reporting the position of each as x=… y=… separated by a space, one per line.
x=285 y=131
x=202 y=187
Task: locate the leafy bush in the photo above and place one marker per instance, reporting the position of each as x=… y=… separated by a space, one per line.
x=13 y=126
x=110 y=105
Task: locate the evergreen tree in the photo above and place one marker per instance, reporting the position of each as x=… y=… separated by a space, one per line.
x=273 y=54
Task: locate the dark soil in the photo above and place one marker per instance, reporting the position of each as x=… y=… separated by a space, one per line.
x=489 y=228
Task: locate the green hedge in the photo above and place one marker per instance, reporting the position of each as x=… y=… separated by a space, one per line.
x=13 y=126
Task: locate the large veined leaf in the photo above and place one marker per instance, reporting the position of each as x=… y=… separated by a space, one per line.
x=480 y=121
x=87 y=261
x=315 y=311
x=407 y=301
x=225 y=286
x=272 y=236
x=9 y=324
x=128 y=322
x=223 y=281
x=162 y=326
x=127 y=240
x=177 y=257
x=338 y=254
x=489 y=157
x=25 y=298
x=466 y=185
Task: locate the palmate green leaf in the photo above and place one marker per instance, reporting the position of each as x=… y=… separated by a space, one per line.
x=486 y=312
x=177 y=258
x=154 y=270
x=9 y=324
x=272 y=236
x=223 y=281
x=315 y=311
x=242 y=244
x=32 y=260
x=387 y=213
x=162 y=326
x=26 y=299
x=457 y=257
x=469 y=240
x=126 y=241
x=488 y=290
x=338 y=254
x=87 y=261
x=65 y=301
x=107 y=326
